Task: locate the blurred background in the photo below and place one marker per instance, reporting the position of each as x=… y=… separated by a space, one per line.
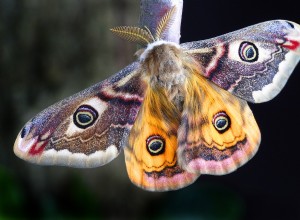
x=50 y=50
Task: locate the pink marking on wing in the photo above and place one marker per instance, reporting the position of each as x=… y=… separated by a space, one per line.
x=123 y=96
x=37 y=150
x=170 y=183
x=215 y=61
x=240 y=157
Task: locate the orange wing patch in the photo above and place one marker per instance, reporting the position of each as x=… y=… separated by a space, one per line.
x=218 y=132
x=150 y=155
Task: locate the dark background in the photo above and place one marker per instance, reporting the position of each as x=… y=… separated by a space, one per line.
x=52 y=49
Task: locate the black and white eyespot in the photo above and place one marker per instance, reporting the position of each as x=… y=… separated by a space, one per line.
x=221 y=122
x=248 y=52
x=85 y=116
x=155 y=145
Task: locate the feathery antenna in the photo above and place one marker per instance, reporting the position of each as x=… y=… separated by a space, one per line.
x=134 y=34
x=164 y=23
x=144 y=36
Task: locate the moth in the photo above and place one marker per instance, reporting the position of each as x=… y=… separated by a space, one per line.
x=178 y=112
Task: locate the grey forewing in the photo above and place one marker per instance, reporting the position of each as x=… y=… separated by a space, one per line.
x=238 y=77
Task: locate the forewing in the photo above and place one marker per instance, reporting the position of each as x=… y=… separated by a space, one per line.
x=253 y=63
x=87 y=129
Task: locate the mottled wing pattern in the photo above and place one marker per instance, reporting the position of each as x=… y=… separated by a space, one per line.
x=218 y=132
x=87 y=129
x=150 y=155
x=253 y=63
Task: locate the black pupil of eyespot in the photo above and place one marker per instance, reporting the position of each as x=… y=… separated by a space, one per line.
x=156 y=145
x=221 y=123
x=250 y=53
x=84 y=118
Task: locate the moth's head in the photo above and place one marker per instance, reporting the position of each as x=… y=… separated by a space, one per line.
x=162 y=60
x=159 y=50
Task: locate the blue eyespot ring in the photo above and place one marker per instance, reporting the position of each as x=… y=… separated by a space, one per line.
x=85 y=116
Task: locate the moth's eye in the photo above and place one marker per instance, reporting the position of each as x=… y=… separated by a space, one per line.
x=155 y=145
x=248 y=52
x=85 y=116
x=221 y=122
